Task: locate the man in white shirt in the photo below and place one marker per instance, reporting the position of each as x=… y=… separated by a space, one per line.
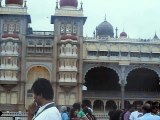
x=136 y=114
x=43 y=107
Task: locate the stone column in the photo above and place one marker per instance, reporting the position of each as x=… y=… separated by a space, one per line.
x=122 y=84
x=122 y=95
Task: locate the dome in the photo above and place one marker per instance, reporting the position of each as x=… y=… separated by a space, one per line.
x=72 y=3
x=19 y=2
x=123 y=34
x=105 y=29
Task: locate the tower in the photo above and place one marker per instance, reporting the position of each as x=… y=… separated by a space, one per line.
x=13 y=25
x=68 y=27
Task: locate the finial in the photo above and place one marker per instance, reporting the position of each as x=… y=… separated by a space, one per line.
x=81 y=5
x=105 y=17
x=25 y=5
x=57 y=4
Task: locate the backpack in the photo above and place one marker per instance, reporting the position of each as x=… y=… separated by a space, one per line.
x=91 y=117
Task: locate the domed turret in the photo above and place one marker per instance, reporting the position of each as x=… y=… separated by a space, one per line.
x=123 y=34
x=71 y=3
x=104 y=29
x=16 y=2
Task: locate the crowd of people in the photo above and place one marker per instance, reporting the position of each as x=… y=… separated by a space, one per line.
x=77 y=112
x=44 y=108
x=148 y=111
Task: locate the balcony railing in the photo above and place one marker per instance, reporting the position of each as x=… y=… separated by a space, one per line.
x=117 y=95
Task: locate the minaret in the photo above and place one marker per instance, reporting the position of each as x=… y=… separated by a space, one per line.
x=116 y=32
x=68 y=25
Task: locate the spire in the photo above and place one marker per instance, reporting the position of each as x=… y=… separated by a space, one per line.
x=155 y=36
x=81 y=5
x=116 y=32
x=105 y=18
x=57 y=4
x=25 y=5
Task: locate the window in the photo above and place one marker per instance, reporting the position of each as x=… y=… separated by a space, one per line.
x=69 y=28
x=5 y=27
x=11 y=27
x=74 y=29
x=40 y=42
x=48 y=42
x=145 y=55
x=30 y=42
x=155 y=55
x=92 y=53
x=62 y=28
x=134 y=54
x=124 y=53
x=114 y=53
x=103 y=53
x=17 y=27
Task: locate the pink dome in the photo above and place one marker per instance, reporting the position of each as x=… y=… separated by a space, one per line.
x=123 y=34
x=73 y=3
x=19 y=2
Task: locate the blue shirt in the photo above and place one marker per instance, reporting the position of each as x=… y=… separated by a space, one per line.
x=65 y=116
x=149 y=116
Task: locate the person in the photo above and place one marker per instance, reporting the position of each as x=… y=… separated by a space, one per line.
x=1 y=113
x=155 y=108
x=128 y=112
x=116 y=114
x=147 y=115
x=64 y=113
x=43 y=107
x=88 y=113
x=80 y=114
x=73 y=114
x=136 y=114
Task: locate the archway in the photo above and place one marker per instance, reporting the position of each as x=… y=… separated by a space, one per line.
x=143 y=79
x=98 y=106
x=110 y=105
x=102 y=79
x=34 y=73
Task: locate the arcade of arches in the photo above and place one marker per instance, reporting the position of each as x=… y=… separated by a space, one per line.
x=34 y=73
x=104 y=91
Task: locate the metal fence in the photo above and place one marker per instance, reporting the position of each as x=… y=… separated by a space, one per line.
x=23 y=116
x=14 y=116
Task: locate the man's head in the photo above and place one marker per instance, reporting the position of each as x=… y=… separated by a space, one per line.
x=42 y=90
x=146 y=108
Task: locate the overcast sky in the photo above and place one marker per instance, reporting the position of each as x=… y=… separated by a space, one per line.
x=138 y=18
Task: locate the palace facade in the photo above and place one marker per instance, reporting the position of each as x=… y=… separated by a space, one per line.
x=105 y=71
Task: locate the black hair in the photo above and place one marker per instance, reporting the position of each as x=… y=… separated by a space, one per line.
x=77 y=106
x=43 y=87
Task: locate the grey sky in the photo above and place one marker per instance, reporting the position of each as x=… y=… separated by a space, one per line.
x=139 y=18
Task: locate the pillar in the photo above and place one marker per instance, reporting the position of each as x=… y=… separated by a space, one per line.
x=122 y=95
x=122 y=83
